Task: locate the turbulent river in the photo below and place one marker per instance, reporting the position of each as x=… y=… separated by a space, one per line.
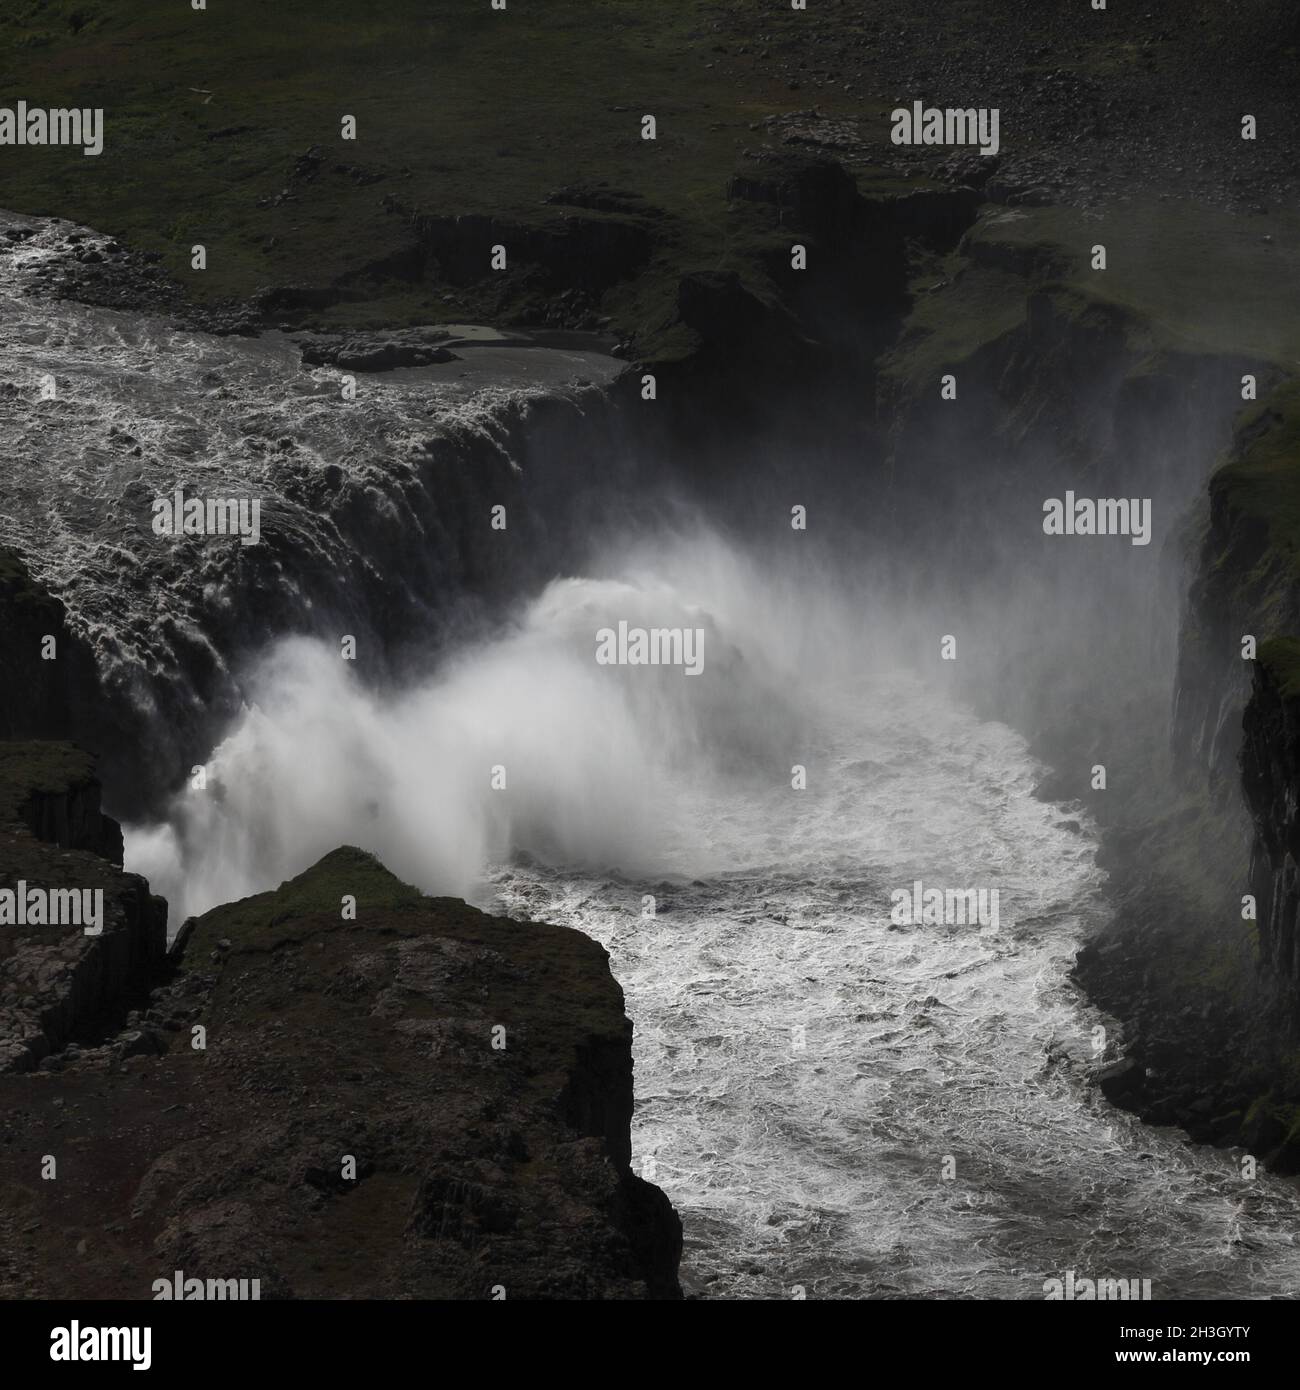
x=804 y=1069
x=833 y=1100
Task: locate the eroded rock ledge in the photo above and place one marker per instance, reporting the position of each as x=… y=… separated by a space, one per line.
x=349 y=1128
x=58 y=984
x=1270 y=767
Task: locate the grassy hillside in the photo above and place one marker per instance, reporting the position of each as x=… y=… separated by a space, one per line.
x=459 y=109
x=223 y=125
x=1203 y=279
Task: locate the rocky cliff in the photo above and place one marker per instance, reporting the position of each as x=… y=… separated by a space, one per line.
x=1270 y=766
x=340 y=1088
x=418 y=1102
x=46 y=675
x=1072 y=381
x=57 y=983
x=1244 y=584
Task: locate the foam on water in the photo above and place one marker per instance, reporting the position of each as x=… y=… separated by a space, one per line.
x=820 y=1165
x=805 y=1067
x=143 y=407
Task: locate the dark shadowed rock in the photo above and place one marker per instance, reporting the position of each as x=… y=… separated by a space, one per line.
x=1122 y=1081
x=37 y=693
x=380 y=352
x=56 y=981
x=425 y=1102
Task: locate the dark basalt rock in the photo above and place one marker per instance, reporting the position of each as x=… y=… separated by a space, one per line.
x=356 y=1125
x=57 y=983
x=1123 y=1082
x=36 y=694
x=416 y=347
x=1270 y=768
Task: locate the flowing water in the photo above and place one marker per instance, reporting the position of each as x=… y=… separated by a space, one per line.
x=103 y=412
x=807 y=1073
x=833 y=1100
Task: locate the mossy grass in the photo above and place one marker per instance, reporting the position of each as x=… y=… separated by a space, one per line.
x=1280 y=657
x=303 y=918
x=29 y=767
x=1179 y=279
x=265 y=918
x=460 y=110
x=1197 y=278
x=1262 y=480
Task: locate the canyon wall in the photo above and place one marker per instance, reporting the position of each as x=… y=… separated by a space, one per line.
x=1142 y=669
x=1060 y=387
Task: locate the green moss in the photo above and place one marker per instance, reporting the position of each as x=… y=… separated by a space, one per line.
x=1262 y=481
x=39 y=767
x=553 y=980
x=459 y=110
x=957 y=311
x=52 y=768
x=1198 y=278
x=1280 y=656
x=1180 y=278
x=267 y=918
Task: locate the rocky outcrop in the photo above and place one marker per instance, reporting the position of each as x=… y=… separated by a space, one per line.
x=45 y=674
x=1270 y=771
x=732 y=320
x=850 y=290
x=1242 y=588
x=418 y=1101
x=481 y=1171
x=58 y=983
x=379 y=352
x=555 y=271
x=51 y=788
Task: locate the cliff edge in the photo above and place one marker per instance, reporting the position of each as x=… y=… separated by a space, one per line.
x=340 y=1088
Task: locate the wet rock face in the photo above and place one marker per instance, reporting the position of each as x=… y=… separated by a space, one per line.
x=71 y=818
x=46 y=675
x=56 y=982
x=421 y=1102
x=1270 y=768
x=1217 y=1060
x=379 y=352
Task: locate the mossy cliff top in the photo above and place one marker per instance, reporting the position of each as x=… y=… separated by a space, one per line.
x=1178 y=280
x=39 y=767
x=1259 y=487
x=421 y=1102
x=1280 y=658
x=557 y=979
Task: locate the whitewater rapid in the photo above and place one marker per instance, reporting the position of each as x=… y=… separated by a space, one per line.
x=104 y=411
x=806 y=1074
x=836 y=1103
